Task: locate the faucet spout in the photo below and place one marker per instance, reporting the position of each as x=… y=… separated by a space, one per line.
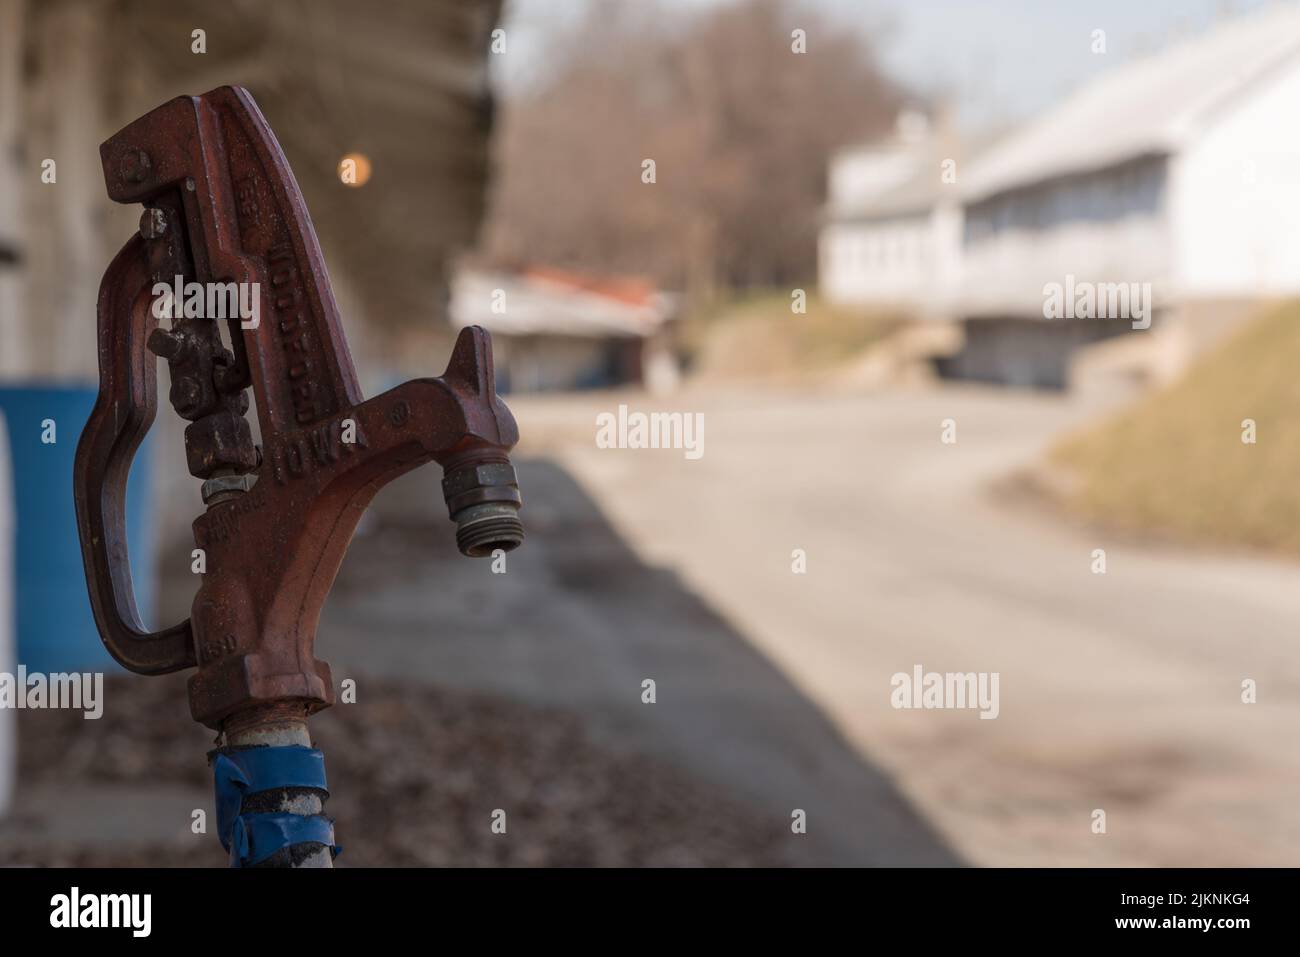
x=483 y=500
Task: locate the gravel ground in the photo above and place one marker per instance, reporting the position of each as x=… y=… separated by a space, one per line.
x=416 y=774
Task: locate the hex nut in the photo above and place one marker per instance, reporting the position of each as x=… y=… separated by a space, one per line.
x=225 y=486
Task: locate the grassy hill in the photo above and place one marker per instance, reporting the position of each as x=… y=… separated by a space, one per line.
x=757 y=335
x=1175 y=463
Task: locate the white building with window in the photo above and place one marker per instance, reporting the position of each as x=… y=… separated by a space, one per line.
x=891 y=232
x=1180 y=169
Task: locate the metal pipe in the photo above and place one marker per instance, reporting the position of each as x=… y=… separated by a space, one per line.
x=279 y=727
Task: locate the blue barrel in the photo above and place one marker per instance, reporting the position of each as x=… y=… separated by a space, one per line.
x=55 y=629
x=8 y=718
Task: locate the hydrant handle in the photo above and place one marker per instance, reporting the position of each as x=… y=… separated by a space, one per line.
x=122 y=415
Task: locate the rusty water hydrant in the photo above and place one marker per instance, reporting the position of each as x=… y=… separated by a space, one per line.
x=221 y=207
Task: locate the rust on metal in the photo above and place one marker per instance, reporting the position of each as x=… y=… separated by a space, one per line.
x=222 y=206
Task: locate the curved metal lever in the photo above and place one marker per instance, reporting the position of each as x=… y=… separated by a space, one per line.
x=121 y=417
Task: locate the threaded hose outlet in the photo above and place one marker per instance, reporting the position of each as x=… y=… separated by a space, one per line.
x=482 y=529
x=483 y=500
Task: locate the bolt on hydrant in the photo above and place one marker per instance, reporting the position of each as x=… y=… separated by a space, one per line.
x=222 y=210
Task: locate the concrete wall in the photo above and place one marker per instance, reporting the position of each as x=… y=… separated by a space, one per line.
x=1025 y=353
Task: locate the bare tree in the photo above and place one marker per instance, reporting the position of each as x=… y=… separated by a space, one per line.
x=738 y=124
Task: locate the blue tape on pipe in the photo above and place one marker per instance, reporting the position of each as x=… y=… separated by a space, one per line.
x=258 y=836
x=252 y=838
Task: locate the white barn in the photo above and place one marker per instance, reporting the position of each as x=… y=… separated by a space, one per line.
x=891 y=233
x=1180 y=169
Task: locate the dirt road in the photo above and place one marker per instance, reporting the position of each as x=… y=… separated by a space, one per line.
x=1119 y=692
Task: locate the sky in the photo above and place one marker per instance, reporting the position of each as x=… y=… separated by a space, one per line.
x=995 y=61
